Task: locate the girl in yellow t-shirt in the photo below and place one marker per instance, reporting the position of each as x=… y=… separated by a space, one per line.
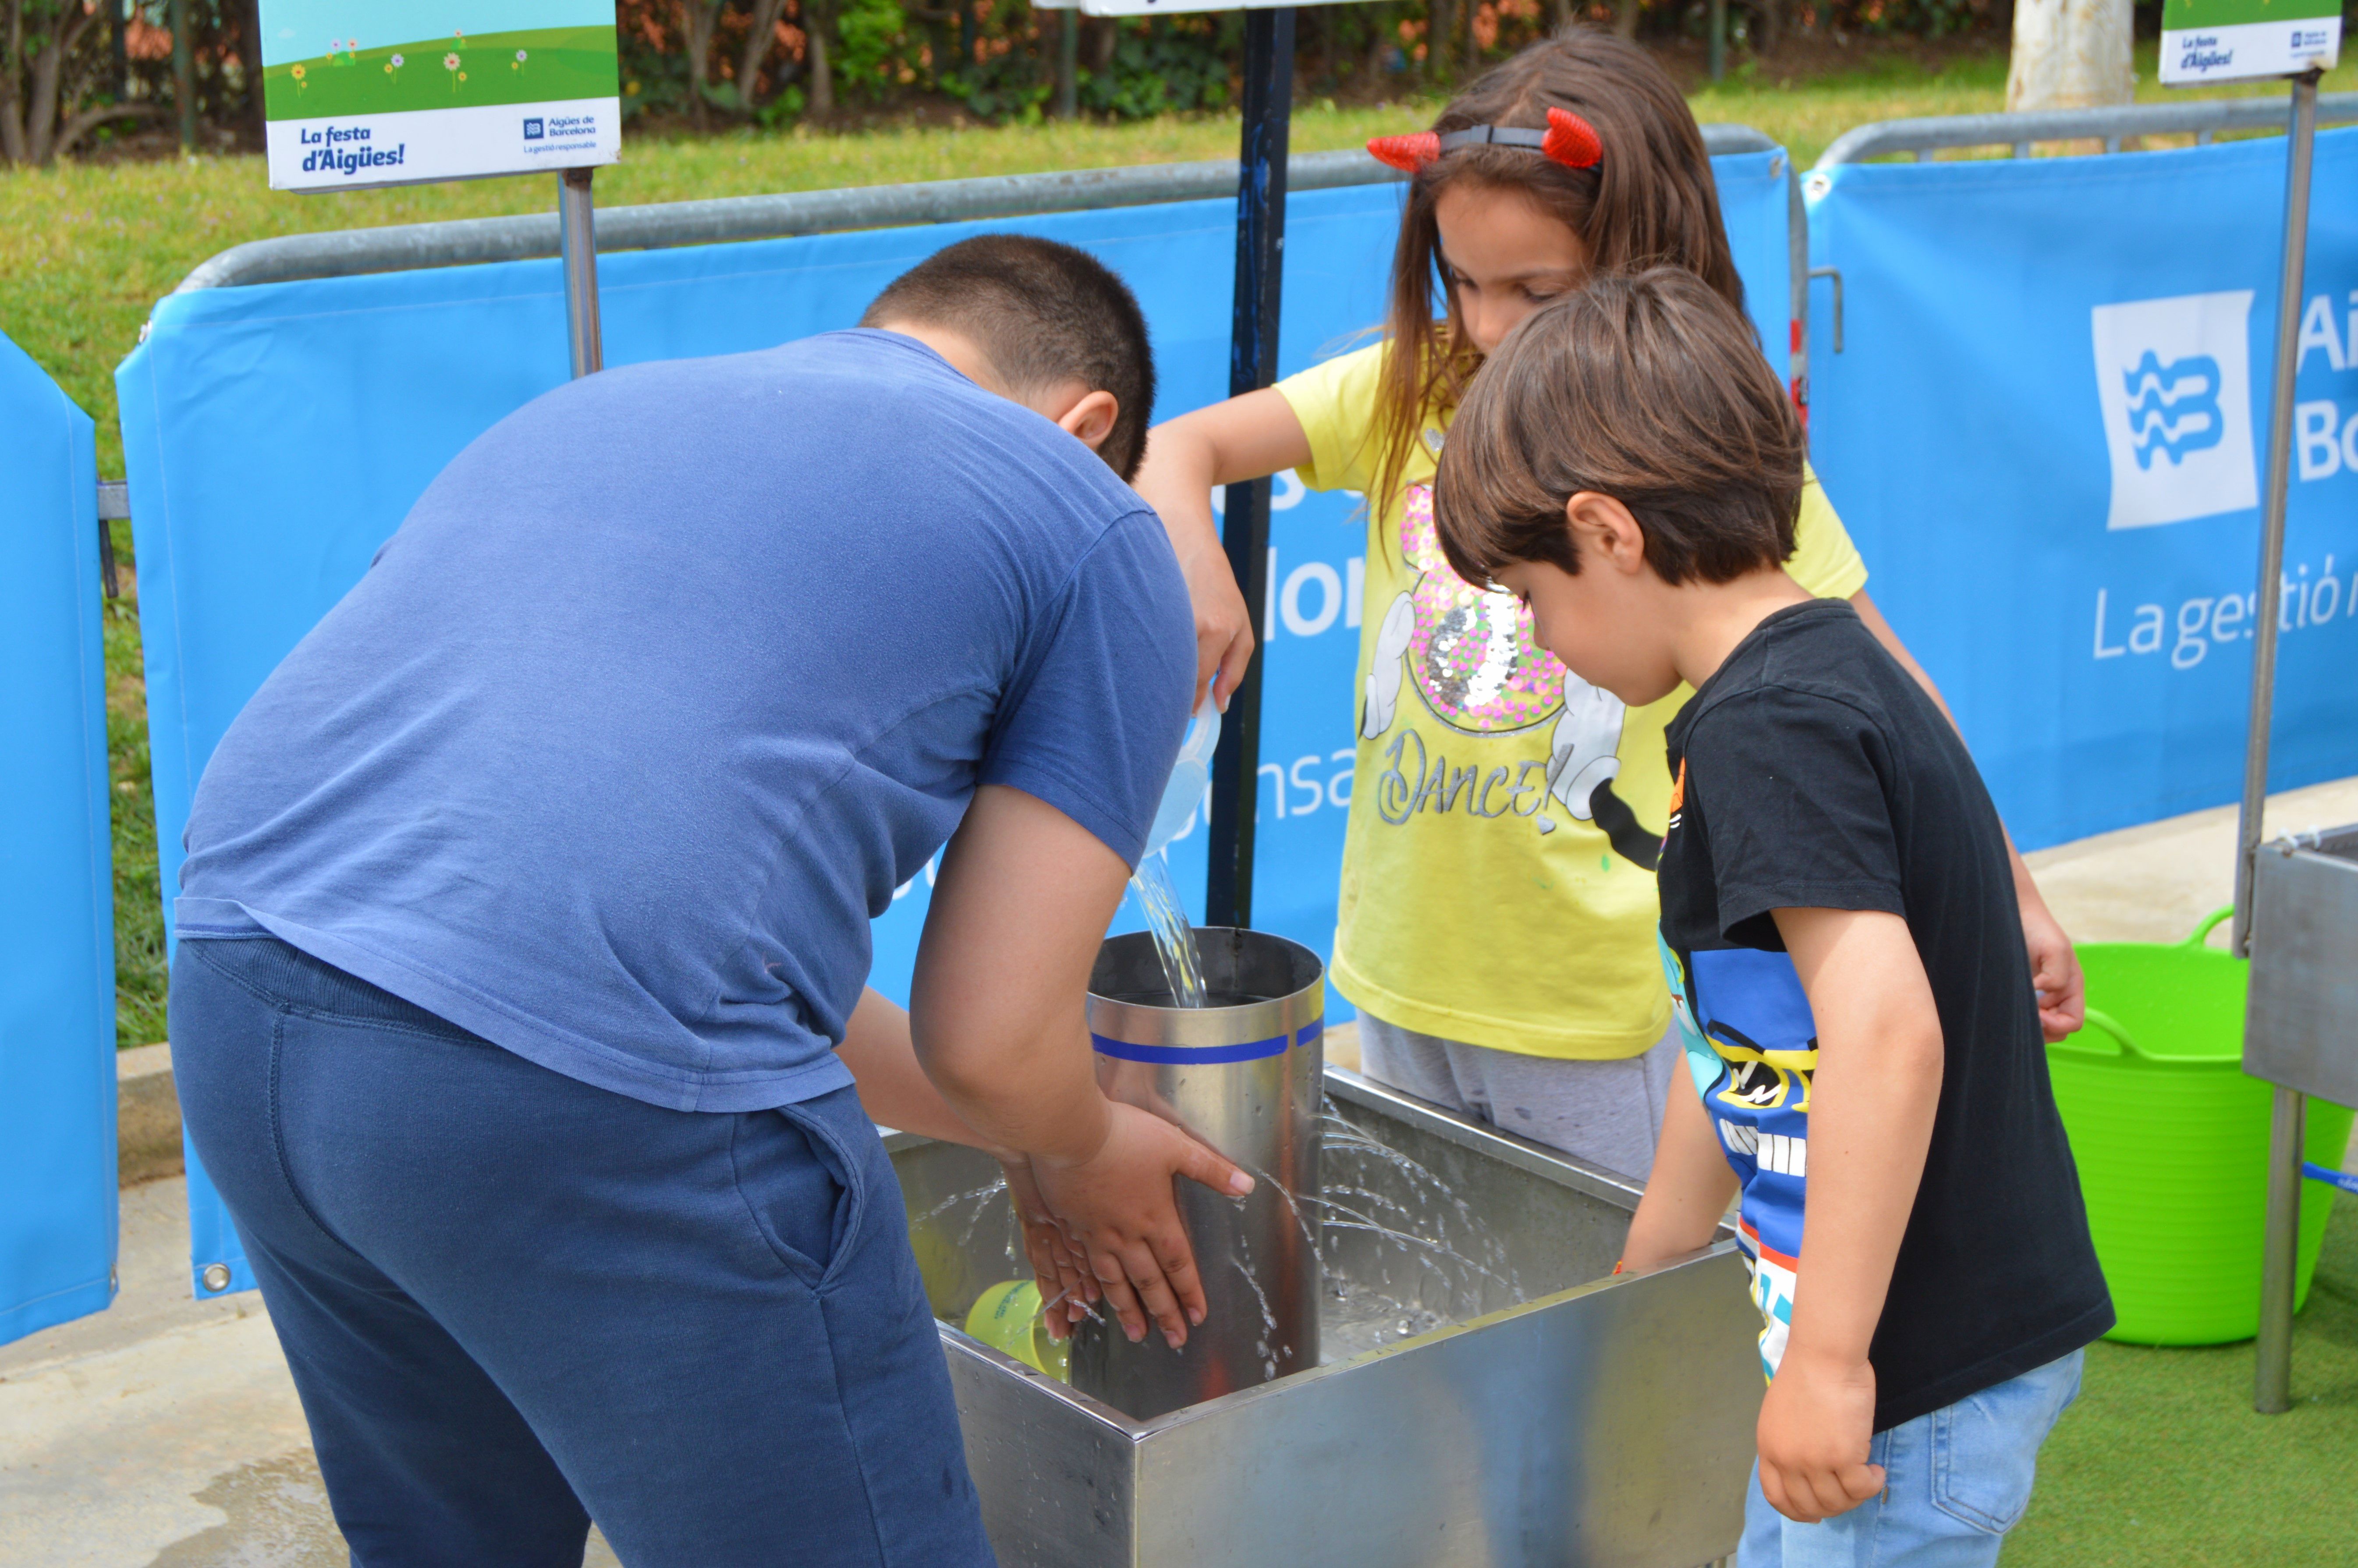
x=1496 y=924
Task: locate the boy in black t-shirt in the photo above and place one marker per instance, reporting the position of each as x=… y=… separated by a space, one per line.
x=1839 y=928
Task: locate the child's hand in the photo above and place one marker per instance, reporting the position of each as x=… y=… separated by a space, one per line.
x=1224 y=630
x=1065 y=1288
x=1117 y=1212
x=2054 y=971
x=1813 y=1434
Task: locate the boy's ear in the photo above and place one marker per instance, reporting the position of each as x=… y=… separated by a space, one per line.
x=1603 y=530
x=1091 y=419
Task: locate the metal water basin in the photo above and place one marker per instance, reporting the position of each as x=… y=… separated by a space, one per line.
x=1558 y=1417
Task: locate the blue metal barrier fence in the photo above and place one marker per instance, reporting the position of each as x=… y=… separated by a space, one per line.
x=57 y=923
x=276 y=434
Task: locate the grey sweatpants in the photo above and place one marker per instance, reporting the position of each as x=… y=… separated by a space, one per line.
x=1607 y=1113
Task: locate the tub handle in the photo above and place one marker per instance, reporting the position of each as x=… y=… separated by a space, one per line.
x=2099 y=1020
x=2208 y=921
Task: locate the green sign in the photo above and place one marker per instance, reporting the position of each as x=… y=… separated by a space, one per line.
x=393 y=91
x=2233 y=40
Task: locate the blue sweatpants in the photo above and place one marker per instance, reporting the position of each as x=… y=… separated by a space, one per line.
x=513 y=1303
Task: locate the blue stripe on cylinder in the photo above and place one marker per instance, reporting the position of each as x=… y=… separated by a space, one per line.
x=1310 y=1032
x=1190 y=1056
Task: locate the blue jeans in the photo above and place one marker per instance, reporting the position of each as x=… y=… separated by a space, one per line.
x=513 y=1303
x=1955 y=1482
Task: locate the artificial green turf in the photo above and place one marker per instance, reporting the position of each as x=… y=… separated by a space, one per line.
x=2162 y=1460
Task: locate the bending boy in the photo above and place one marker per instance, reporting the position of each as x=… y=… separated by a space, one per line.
x=524 y=930
x=1839 y=925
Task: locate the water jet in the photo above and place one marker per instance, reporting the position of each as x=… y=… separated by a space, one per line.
x=1486 y=1395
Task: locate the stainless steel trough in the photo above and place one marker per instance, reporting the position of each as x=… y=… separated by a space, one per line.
x=1557 y=1418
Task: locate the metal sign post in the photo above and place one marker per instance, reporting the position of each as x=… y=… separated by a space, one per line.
x=2272 y=1381
x=577 y=236
x=356 y=95
x=2232 y=40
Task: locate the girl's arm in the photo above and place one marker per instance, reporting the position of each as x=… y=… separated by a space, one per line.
x=2054 y=967
x=1872 y=1100
x=1250 y=436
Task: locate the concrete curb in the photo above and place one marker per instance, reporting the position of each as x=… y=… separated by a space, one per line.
x=147 y=1116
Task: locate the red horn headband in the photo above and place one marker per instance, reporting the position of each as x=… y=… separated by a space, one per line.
x=1568 y=140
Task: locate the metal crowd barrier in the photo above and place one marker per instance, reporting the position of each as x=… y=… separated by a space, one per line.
x=2205 y=118
x=472 y=241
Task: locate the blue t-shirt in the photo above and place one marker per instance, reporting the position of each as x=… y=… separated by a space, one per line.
x=668 y=681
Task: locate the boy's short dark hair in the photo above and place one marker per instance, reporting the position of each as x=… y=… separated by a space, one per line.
x=1649 y=388
x=1043 y=314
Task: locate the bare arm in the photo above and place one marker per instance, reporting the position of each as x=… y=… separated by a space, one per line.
x=2054 y=967
x=1872 y=1100
x=1250 y=436
x=997 y=1012
x=895 y=1090
x=1690 y=1188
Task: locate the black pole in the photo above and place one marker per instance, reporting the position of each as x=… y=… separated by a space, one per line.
x=117 y=53
x=184 y=72
x=1252 y=364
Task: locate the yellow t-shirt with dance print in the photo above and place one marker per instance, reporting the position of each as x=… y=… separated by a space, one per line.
x=1497 y=882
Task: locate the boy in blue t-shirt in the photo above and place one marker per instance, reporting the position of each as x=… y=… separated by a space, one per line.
x=519 y=999
x=1840 y=931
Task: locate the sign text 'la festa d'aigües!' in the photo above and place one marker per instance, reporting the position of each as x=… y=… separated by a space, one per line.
x=2233 y=40
x=394 y=91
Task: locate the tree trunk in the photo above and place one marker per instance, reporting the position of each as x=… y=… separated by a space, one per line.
x=37 y=138
x=699 y=17
x=1471 y=52
x=12 y=113
x=1771 y=28
x=249 y=55
x=1626 y=24
x=818 y=29
x=759 y=42
x=1440 y=27
x=2069 y=54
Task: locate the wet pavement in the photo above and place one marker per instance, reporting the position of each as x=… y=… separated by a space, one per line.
x=163 y=1432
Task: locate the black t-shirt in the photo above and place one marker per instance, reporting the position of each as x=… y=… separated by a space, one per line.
x=1814 y=773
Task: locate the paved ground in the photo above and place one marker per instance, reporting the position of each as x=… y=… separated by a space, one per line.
x=164 y=1433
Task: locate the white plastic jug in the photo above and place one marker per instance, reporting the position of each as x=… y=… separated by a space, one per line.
x=1190 y=776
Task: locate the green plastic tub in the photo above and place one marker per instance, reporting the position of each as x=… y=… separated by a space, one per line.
x=2172 y=1141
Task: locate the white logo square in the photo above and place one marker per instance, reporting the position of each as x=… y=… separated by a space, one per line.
x=2175 y=380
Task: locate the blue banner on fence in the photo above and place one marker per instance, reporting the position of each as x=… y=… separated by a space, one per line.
x=57 y=923
x=2047 y=431
x=276 y=435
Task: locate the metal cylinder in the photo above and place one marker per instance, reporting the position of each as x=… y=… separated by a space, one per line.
x=1243 y=1075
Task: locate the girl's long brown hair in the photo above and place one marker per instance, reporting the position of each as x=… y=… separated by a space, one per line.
x=1650 y=201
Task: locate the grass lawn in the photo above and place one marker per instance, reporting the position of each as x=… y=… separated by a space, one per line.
x=2163 y=1462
